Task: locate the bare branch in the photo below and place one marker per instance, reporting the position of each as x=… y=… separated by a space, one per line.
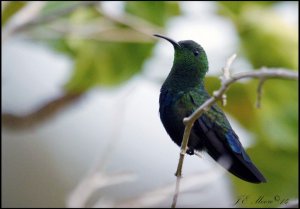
x=134 y=22
x=93 y=182
x=260 y=74
x=227 y=80
x=226 y=75
x=34 y=20
x=140 y=30
x=175 y=197
x=161 y=194
x=259 y=92
x=46 y=111
x=97 y=178
x=226 y=69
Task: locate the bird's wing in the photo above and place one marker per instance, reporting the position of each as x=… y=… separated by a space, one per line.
x=221 y=141
x=216 y=126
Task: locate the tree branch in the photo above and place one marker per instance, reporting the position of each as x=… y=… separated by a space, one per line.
x=30 y=21
x=134 y=22
x=259 y=74
x=226 y=81
x=46 y=111
x=140 y=30
x=259 y=92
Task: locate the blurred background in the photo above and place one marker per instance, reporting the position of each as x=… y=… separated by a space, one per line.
x=80 y=89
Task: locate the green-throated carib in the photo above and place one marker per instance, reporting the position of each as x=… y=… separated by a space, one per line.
x=181 y=93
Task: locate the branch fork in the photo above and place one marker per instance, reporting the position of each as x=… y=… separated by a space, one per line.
x=226 y=80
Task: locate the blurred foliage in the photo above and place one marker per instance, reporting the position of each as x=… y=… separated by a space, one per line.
x=266 y=40
x=55 y=5
x=108 y=63
x=156 y=12
x=106 y=50
x=9 y=8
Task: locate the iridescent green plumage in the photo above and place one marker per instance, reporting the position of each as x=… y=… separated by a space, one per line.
x=182 y=92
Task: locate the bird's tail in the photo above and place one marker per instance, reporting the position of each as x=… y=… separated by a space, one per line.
x=247 y=171
x=240 y=168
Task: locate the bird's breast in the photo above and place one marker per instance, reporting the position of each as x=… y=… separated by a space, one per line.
x=173 y=109
x=175 y=105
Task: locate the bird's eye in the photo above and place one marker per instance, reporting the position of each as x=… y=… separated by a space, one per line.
x=196 y=53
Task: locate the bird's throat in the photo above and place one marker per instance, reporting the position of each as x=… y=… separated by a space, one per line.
x=185 y=77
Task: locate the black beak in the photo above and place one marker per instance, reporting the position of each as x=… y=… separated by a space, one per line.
x=174 y=43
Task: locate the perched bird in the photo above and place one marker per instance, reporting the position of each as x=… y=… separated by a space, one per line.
x=181 y=93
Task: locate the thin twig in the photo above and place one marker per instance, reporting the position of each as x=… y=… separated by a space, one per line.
x=134 y=22
x=97 y=177
x=187 y=131
x=259 y=74
x=226 y=75
x=43 y=113
x=158 y=196
x=226 y=69
x=32 y=22
x=175 y=197
x=262 y=74
x=259 y=92
x=178 y=173
x=93 y=182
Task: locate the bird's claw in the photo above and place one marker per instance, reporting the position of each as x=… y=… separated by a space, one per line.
x=190 y=151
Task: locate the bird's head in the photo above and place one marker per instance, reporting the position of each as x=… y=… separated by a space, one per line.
x=189 y=59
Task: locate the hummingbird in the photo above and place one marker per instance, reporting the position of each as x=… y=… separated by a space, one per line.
x=181 y=94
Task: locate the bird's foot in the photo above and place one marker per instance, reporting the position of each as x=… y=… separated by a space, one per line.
x=190 y=151
x=198 y=154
